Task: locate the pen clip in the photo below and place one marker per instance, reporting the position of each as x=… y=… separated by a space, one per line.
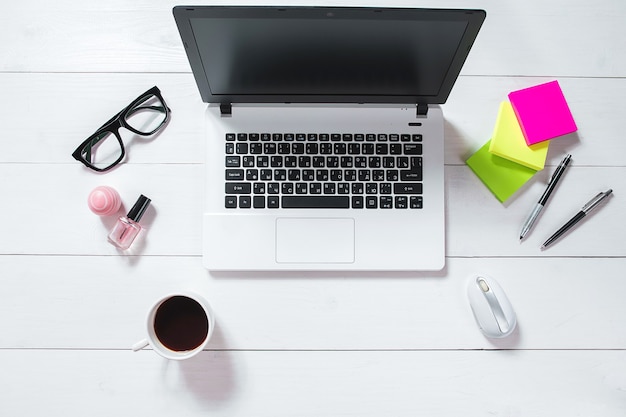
x=595 y=201
x=559 y=170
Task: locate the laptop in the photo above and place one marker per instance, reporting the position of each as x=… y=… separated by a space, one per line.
x=324 y=146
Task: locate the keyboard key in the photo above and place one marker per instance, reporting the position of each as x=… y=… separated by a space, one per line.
x=385 y=188
x=266 y=175
x=340 y=148
x=316 y=201
x=231 y=201
x=273 y=188
x=241 y=148
x=269 y=148
x=258 y=188
x=273 y=201
x=284 y=148
x=382 y=149
x=412 y=148
x=245 y=201
x=391 y=175
x=252 y=174
x=315 y=188
x=294 y=175
x=308 y=175
x=401 y=202
x=407 y=188
x=414 y=173
x=256 y=148
x=312 y=148
x=302 y=188
x=280 y=174
x=262 y=161
x=386 y=202
x=238 y=188
x=357 y=188
x=291 y=161
x=248 y=161
x=276 y=161
x=297 y=148
x=416 y=202
x=287 y=188
x=258 y=202
x=234 y=174
x=395 y=149
x=357 y=202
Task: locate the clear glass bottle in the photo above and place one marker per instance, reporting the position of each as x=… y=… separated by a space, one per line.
x=127 y=228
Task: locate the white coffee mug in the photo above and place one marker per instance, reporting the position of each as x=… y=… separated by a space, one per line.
x=179 y=326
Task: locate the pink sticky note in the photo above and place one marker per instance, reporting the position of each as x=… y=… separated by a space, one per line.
x=542 y=112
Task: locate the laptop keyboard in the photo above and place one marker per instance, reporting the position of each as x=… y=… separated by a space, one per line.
x=339 y=171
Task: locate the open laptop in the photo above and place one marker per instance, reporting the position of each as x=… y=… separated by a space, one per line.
x=325 y=138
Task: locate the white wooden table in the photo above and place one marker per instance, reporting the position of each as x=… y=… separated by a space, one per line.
x=303 y=344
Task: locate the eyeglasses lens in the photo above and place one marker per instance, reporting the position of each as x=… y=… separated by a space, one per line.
x=148 y=115
x=103 y=150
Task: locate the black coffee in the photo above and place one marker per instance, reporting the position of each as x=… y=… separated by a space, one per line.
x=181 y=323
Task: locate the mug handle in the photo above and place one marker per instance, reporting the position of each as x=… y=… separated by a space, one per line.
x=140 y=345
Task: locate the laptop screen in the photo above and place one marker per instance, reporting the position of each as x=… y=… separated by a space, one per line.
x=298 y=54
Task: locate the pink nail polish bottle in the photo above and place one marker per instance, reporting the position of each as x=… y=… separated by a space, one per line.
x=127 y=227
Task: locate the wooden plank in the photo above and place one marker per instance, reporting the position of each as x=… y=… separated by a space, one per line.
x=53 y=197
x=51 y=114
x=84 y=302
x=473 y=213
x=76 y=104
x=142 y=37
x=468 y=383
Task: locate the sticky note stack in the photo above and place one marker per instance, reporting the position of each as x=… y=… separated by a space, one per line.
x=519 y=144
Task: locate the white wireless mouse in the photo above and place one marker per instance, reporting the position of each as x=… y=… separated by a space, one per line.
x=491 y=307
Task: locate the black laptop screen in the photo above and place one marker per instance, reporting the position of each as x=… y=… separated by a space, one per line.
x=328 y=54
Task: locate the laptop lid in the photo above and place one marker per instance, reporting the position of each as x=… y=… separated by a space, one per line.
x=248 y=54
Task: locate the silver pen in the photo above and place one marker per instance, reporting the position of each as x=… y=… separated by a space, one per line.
x=534 y=214
x=593 y=203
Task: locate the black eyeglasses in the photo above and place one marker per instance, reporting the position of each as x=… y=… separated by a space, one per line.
x=144 y=116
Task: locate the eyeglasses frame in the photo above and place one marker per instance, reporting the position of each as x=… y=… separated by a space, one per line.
x=114 y=124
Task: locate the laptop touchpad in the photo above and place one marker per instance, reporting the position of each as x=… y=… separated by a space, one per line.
x=314 y=240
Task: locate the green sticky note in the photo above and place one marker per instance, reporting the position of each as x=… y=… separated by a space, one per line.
x=508 y=141
x=502 y=176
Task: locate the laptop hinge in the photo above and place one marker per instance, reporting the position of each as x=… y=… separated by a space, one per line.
x=226 y=109
x=422 y=110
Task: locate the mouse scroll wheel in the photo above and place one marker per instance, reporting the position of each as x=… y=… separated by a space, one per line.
x=483 y=285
